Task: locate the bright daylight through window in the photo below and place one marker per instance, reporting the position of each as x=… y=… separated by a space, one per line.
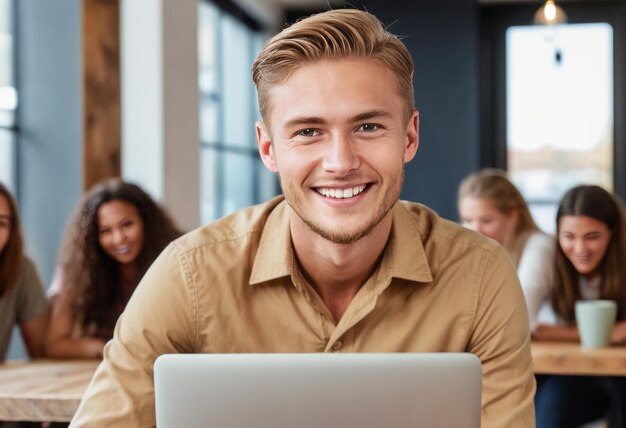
x=232 y=175
x=8 y=96
x=559 y=111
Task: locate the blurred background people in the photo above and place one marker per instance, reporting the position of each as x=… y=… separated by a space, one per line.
x=22 y=298
x=590 y=264
x=114 y=236
x=491 y=205
x=590 y=260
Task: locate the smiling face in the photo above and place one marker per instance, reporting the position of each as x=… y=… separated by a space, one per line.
x=584 y=241
x=481 y=215
x=120 y=231
x=338 y=138
x=5 y=222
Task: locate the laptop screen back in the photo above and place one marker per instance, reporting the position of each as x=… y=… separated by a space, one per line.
x=398 y=390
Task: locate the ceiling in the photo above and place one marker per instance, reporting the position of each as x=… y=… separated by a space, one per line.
x=296 y=4
x=289 y=4
x=321 y=3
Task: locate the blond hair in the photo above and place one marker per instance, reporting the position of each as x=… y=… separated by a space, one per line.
x=335 y=34
x=493 y=184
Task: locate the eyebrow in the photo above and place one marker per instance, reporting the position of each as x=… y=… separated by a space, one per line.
x=593 y=232
x=304 y=120
x=315 y=120
x=370 y=114
x=127 y=218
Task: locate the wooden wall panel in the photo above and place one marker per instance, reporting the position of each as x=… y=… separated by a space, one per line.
x=101 y=91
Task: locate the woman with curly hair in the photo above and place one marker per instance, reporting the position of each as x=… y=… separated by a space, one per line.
x=22 y=299
x=116 y=233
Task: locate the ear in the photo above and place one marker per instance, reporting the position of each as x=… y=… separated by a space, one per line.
x=412 y=137
x=264 y=141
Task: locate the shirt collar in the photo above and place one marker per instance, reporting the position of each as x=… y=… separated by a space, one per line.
x=274 y=257
x=404 y=256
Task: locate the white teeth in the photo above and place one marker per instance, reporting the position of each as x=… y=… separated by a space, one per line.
x=341 y=193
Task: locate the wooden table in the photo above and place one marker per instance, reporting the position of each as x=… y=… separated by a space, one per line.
x=564 y=358
x=43 y=390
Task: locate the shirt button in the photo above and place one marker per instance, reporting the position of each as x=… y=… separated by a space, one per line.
x=337 y=345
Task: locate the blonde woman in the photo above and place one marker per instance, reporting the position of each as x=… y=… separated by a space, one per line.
x=491 y=205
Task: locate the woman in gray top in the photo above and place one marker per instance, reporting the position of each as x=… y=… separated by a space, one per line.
x=22 y=298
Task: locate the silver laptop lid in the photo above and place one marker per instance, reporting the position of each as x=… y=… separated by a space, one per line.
x=358 y=390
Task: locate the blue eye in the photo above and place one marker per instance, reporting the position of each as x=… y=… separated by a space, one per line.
x=308 y=132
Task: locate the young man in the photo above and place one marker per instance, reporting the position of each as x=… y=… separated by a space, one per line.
x=336 y=263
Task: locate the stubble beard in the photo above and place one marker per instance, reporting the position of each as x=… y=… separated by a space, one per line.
x=391 y=196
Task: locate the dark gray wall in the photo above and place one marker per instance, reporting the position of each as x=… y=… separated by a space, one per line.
x=49 y=144
x=442 y=36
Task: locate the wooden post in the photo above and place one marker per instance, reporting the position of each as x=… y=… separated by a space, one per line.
x=101 y=91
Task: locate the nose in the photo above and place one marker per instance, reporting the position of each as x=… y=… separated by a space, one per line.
x=118 y=236
x=341 y=156
x=579 y=246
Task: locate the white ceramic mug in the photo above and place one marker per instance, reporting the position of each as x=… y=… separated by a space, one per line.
x=595 y=319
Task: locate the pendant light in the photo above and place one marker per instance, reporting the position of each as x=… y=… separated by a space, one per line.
x=550 y=14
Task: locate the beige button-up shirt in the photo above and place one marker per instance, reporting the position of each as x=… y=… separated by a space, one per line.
x=234 y=286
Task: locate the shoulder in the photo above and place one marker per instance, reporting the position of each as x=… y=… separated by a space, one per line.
x=27 y=265
x=435 y=230
x=451 y=250
x=540 y=243
x=29 y=290
x=28 y=273
x=540 y=239
x=238 y=226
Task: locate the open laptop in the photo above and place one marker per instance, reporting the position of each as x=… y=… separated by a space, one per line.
x=358 y=390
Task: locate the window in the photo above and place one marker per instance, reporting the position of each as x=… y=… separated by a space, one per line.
x=8 y=97
x=582 y=65
x=232 y=174
x=559 y=120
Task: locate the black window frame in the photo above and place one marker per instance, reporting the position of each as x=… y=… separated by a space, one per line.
x=220 y=147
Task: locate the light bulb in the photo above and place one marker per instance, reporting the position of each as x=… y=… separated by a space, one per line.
x=549 y=10
x=549 y=14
